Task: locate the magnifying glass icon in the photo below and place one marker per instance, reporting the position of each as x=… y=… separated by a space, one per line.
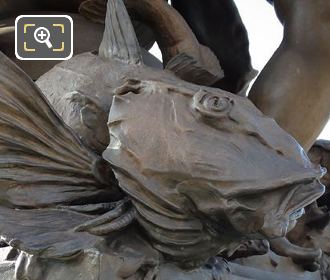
x=42 y=35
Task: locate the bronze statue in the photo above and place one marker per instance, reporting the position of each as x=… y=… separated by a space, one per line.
x=111 y=169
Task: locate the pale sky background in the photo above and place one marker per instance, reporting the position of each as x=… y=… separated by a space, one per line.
x=265 y=35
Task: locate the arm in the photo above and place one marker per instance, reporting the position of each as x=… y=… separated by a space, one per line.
x=294 y=86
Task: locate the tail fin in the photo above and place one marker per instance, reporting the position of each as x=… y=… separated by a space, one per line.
x=119 y=39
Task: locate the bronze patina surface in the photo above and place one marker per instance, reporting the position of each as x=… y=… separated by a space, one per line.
x=113 y=169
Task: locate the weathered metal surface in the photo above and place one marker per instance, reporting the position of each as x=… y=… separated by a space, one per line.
x=198 y=170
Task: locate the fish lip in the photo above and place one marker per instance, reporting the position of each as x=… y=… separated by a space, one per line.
x=307 y=177
x=282 y=218
x=268 y=184
x=314 y=195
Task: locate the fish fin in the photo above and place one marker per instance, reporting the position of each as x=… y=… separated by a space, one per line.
x=192 y=70
x=42 y=161
x=119 y=38
x=46 y=233
x=43 y=164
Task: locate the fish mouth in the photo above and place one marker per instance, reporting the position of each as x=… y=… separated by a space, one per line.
x=291 y=208
x=300 y=200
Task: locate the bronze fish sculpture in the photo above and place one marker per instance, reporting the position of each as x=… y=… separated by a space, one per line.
x=197 y=169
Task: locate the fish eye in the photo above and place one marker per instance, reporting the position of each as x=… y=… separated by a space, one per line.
x=216 y=103
x=212 y=104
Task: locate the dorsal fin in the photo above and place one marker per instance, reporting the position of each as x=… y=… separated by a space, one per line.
x=119 y=39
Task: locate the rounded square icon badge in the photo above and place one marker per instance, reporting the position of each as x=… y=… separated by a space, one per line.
x=44 y=37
